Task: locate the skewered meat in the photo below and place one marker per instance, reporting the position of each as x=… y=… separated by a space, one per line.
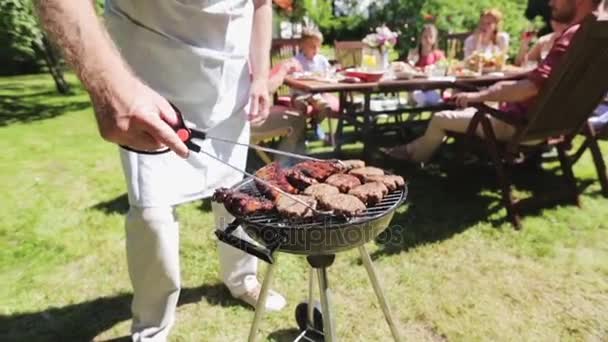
x=291 y=208
x=319 y=190
x=319 y=170
x=343 y=181
x=275 y=175
x=392 y=182
x=352 y=164
x=342 y=204
x=370 y=193
x=367 y=171
x=241 y=203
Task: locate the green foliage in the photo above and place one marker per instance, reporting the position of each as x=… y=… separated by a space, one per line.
x=19 y=34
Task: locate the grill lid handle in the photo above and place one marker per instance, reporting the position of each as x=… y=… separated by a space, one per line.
x=261 y=252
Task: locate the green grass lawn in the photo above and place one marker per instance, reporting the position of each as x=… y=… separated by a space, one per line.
x=454 y=270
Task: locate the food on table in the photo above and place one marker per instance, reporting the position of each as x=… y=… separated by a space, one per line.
x=344 y=182
x=319 y=190
x=289 y=207
x=392 y=182
x=353 y=164
x=370 y=193
x=275 y=175
x=486 y=60
x=342 y=204
x=241 y=203
x=366 y=171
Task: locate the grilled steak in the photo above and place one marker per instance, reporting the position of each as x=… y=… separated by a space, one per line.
x=370 y=193
x=343 y=181
x=291 y=208
x=352 y=164
x=275 y=175
x=342 y=204
x=298 y=179
x=319 y=170
x=366 y=171
x=241 y=203
x=392 y=182
x=319 y=190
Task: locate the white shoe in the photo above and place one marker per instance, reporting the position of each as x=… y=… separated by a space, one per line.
x=274 y=301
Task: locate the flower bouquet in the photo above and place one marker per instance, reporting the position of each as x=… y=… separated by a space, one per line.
x=379 y=43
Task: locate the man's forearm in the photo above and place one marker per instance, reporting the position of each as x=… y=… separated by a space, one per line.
x=509 y=91
x=75 y=28
x=261 y=39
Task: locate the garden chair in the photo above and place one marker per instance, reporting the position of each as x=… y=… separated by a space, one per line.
x=282 y=49
x=348 y=53
x=455 y=41
x=573 y=91
x=592 y=134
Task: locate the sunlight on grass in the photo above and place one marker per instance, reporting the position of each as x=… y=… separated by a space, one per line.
x=453 y=269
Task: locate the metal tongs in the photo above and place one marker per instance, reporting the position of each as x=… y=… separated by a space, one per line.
x=187 y=134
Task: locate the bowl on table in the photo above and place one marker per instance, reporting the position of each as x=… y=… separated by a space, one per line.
x=364 y=75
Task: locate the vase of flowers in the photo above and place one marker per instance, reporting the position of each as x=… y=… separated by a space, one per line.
x=378 y=44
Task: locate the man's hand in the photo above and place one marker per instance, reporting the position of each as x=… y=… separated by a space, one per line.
x=259 y=106
x=463 y=100
x=136 y=116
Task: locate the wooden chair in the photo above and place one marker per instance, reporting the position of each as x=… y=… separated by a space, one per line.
x=457 y=41
x=563 y=106
x=592 y=136
x=348 y=53
x=282 y=49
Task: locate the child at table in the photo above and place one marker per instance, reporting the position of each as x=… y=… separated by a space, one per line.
x=426 y=55
x=312 y=61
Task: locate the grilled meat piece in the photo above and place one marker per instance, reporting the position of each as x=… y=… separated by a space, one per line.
x=352 y=164
x=343 y=182
x=370 y=193
x=298 y=179
x=392 y=182
x=366 y=171
x=275 y=175
x=342 y=204
x=319 y=190
x=319 y=170
x=241 y=203
x=291 y=208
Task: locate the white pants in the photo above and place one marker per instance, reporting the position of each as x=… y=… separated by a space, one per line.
x=154 y=269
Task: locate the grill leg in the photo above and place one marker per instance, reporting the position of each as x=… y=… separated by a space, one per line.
x=311 y=304
x=371 y=272
x=261 y=304
x=329 y=332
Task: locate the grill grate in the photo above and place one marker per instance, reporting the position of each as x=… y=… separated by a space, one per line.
x=273 y=219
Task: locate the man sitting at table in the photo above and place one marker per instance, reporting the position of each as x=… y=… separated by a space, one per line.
x=518 y=95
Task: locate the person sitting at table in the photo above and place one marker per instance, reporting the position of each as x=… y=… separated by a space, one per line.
x=518 y=95
x=281 y=117
x=488 y=36
x=426 y=54
x=539 y=51
x=312 y=61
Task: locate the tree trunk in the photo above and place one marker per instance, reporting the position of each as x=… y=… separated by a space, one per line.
x=54 y=66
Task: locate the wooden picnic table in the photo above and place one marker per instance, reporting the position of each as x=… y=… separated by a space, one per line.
x=348 y=113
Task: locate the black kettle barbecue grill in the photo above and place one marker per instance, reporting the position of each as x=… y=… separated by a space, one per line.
x=319 y=238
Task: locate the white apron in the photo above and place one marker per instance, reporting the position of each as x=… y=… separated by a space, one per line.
x=194 y=53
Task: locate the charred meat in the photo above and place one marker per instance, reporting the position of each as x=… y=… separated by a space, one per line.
x=361 y=173
x=342 y=204
x=319 y=170
x=392 y=182
x=319 y=190
x=370 y=193
x=275 y=175
x=289 y=207
x=343 y=182
x=241 y=203
x=299 y=179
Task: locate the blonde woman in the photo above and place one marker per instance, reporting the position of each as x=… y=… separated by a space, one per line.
x=488 y=36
